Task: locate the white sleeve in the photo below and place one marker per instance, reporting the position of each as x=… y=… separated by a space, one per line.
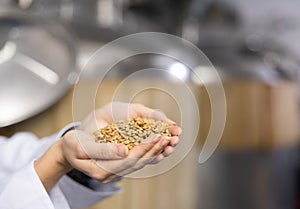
x=20 y=186
x=79 y=196
x=23 y=189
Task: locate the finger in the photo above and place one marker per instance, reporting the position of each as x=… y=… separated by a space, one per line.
x=90 y=168
x=104 y=151
x=158 y=115
x=144 y=147
x=107 y=151
x=120 y=110
x=156 y=150
x=116 y=111
x=168 y=151
x=148 y=158
x=158 y=159
x=170 y=122
x=174 y=141
x=139 y=110
x=110 y=178
x=152 y=138
x=159 y=142
x=117 y=166
x=175 y=130
x=143 y=111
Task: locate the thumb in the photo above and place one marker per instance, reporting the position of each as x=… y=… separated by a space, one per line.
x=103 y=151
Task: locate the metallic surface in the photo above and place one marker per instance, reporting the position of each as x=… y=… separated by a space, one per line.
x=37 y=60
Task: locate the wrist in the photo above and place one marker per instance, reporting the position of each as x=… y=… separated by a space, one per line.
x=59 y=157
x=52 y=166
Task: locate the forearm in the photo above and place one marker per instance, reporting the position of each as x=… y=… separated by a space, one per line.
x=52 y=166
x=35 y=182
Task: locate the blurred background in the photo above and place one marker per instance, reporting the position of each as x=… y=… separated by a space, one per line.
x=253 y=45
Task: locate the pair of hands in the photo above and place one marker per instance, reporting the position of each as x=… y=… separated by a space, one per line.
x=105 y=161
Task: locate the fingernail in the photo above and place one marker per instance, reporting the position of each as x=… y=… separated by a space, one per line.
x=152 y=138
x=122 y=150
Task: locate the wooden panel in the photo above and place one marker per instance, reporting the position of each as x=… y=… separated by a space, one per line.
x=285 y=120
x=259 y=116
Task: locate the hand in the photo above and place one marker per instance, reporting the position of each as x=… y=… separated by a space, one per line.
x=101 y=161
x=104 y=166
x=118 y=111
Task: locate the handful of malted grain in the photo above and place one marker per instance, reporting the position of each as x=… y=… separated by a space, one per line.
x=131 y=131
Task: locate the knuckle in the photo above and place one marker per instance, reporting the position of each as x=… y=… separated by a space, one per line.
x=99 y=176
x=140 y=150
x=157 y=159
x=97 y=173
x=146 y=148
x=157 y=150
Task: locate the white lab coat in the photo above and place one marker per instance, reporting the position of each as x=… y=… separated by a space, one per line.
x=20 y=187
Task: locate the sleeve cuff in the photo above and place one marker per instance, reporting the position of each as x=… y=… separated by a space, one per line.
x=30 y=192
x=67 y=128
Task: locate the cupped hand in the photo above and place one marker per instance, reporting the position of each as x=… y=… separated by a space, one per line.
x=116 y=111
x=106 y=161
